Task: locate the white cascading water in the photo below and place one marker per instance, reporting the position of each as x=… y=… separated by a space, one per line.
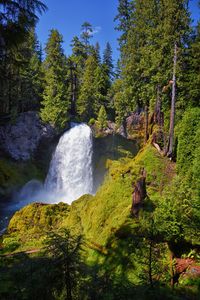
x=70 y=174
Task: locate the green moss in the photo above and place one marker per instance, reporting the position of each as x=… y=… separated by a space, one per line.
x=38 y=217
x=114 y=242
x=29 y=225
x=97 y=217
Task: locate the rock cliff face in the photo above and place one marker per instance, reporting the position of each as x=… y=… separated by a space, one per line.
x=21 y=139
x=132 y=127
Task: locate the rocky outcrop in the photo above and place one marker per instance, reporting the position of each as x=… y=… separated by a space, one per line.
x=135 y=125
x=21 y=139
x=122 y=130
x=186 y=268
x=111 y=128
x=132 y=127
x=181 y=264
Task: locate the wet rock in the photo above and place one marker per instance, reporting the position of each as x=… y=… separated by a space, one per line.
x=122 y=129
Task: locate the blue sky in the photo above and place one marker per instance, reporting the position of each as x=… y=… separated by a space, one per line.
x=68 y=15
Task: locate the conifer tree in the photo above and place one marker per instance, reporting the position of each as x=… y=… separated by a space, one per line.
x=147 y=57
x=190 y=79
x=79 y=52
x=64 y=249
x=94 y=88
x=76 y=63
x=86 y=100
x=123 y=18
x=97 y=51
x=102 y=117
x=56 y=94
x=117 y=72
x=107 y=61
x=17 y=18
x=101 y=85
x=21 y=85
x=86 y=35
x=31 y=75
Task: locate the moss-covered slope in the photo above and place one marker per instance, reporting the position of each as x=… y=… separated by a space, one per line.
x=126 y=250
x=97 y=217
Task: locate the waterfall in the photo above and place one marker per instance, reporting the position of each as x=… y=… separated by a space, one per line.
x=70 y=173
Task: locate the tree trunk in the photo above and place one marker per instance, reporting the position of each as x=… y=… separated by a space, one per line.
x=124 y=125
x=171 y=270
x=146 y=124
x=157 y=114
x=68 y=283
x=73 y=83
x=75 y=91
x=139 y=194
x=150 y=265
x=172 y=115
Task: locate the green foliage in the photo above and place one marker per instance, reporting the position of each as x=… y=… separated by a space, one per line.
x=64 y=249
x=107 y=61
x=56 y=95
x=97 y=52
x=86 y=35
x=17 y=19
x=180 y=205
x=102 y=118
x=31 y=76
x=190 y=79
x=11 y=244
x=188 y=141
x=124 y=255
x=85 y=104
x=120 y=99
x=124 y=20
x=91 y=122
x=101 y=83
x=21 y=86
x=147 y=55
x=186 y=188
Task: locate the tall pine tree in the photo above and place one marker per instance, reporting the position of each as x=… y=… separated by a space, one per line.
x=86 y=100
x=56 y=94
x=108 y=61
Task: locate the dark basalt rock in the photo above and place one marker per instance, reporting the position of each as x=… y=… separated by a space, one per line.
x=21 y=139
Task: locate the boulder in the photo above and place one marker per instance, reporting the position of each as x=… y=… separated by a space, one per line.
x=135 y=125
x=21 y=139
x=122 y=129
x=111 y=127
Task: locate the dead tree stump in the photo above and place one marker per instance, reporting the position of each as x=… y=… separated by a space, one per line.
x=139 y=194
